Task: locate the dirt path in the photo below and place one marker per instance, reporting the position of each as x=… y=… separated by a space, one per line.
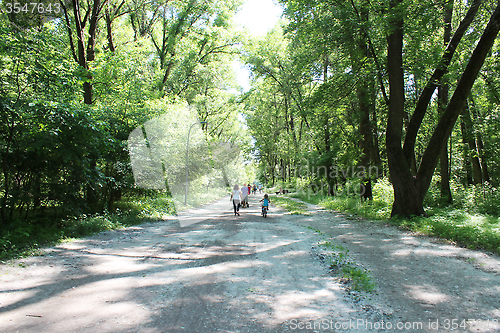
x=419 y=279
x=247 y=274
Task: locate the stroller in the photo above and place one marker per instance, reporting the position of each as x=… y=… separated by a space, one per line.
x=244 y=202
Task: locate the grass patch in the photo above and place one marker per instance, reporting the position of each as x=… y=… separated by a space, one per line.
x=338 y=261
x=469 y=230
x=27 y=238
x=312 y=199
x=292 y=206
x=371 y=209
x=337 y=258
x=462 y=228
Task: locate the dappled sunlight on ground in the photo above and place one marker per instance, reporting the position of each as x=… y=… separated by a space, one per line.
x=427 y=294
x=168 y=277
x=421 y=278
x=242 y=274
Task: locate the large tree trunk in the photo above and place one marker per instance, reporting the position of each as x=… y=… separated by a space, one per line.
x=409 y=192
x=407 y=199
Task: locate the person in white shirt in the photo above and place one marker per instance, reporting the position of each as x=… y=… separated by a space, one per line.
x=244 y=194
x=236 y=198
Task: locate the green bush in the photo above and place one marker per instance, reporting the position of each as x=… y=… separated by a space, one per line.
x=377 y=209
x=474 y=199
x=28 y=237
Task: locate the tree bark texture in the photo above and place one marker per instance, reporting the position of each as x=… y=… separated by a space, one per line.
x=84 y=54
x=470 y=144
x=407 y=200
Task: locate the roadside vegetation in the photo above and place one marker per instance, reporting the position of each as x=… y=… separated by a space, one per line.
x=30 y=236
x=472 y=221
x=337 y=258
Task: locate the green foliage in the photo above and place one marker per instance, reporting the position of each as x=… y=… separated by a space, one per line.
x=304 y=196
x=477 y=199
x=29 y=236
x=470 y=231
x=472 y=221
x=34 y=65
x=47 y=151
x=377 y=209
x=292 y=206
x=472 y=199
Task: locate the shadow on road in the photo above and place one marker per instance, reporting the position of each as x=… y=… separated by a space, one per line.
x=224 y=273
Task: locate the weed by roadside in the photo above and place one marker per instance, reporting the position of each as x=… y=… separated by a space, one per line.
x=464 y=229
x=312 y=199
x=337 y=258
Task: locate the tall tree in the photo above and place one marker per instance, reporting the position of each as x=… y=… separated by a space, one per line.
x=365 y=91
x=84 y=51
x=189 y=34
x=443 y=92
x=409 y=190
x=112 y=11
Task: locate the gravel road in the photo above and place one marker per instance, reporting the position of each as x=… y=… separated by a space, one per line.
x=226 y=273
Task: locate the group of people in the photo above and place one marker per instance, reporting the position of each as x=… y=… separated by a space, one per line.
x=240 y=196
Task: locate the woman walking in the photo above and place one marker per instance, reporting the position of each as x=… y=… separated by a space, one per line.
x=236 y=197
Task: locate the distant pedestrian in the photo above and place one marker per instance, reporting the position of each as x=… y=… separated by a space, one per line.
x=260 y=188
x=249 y=188
x=244 y=196
x=236 y=198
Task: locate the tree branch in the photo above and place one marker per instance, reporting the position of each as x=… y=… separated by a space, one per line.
x=441 y=69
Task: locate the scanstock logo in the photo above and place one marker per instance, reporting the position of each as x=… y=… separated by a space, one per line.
x=171 y=153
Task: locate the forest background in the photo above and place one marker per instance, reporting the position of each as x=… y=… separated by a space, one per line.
x=384 y=108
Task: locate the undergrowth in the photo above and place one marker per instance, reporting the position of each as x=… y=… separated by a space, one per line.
x=472 y=221
x=27 y=237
